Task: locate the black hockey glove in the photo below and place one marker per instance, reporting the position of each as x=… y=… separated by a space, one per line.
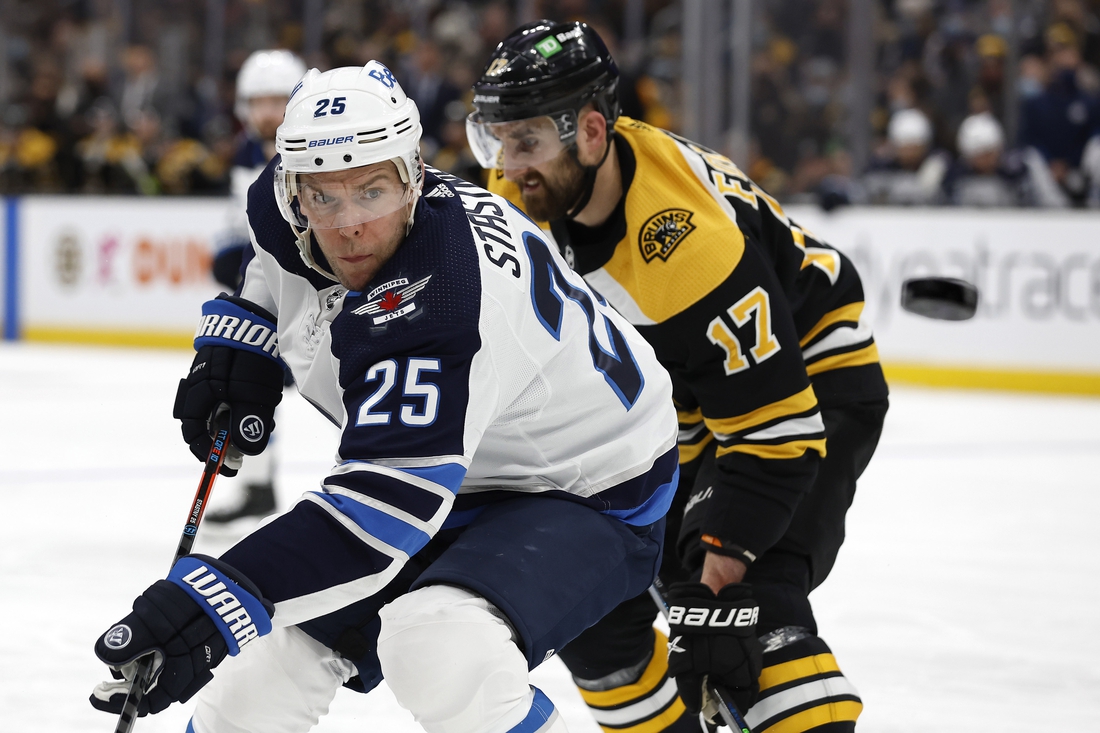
x=712 y=640
x=238 y=365
x=189 y=622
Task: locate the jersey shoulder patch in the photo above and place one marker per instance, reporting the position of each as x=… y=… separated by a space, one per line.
x=680 y=242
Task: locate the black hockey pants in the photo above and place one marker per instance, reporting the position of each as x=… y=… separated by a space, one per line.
x=782 y=578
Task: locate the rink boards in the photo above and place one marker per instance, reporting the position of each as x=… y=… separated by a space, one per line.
x=132 y=271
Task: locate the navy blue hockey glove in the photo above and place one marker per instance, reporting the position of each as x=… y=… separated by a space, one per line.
x=237 y=365
x=189 y=622
x=712 y=640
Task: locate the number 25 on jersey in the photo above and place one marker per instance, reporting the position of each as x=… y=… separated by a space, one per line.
x=758 y=304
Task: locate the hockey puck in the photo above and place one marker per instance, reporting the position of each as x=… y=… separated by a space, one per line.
x=940 y=298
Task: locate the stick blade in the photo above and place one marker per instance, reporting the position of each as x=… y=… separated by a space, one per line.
x=940 y=298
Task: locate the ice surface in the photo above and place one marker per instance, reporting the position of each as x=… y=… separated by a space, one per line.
x=965 y=598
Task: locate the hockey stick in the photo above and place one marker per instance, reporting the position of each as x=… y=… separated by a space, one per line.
x=214 y=463
x=731 y=716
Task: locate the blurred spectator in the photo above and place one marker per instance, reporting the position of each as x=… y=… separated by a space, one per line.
x=986 y=175
x=945 y=59
x=111 y=158
x=1059 y=121
x=455 y=155
x=432 y=91
x=139 y=87
x=987 y=94
x=911 y=172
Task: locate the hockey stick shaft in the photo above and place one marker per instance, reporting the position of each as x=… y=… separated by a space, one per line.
x=210 y=470
x=731 y=716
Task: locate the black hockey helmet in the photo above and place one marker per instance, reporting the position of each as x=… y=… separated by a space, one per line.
x=543 y=69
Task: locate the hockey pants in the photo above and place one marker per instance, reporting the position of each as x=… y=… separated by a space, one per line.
x=620 y=663
x=455 y=633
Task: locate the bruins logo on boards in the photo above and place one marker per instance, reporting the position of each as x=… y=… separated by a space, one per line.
x=663 y=231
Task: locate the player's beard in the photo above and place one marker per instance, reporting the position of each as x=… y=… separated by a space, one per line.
x=559 y=188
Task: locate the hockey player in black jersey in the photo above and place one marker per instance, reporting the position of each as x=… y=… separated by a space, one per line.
x=775 y=374
x=507 y=447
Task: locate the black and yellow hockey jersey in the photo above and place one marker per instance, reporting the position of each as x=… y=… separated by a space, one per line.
x=743 y=307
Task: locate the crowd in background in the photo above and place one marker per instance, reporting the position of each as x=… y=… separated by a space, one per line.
x=92 y=103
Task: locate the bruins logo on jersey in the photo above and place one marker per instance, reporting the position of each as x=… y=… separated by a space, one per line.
x=663 y=231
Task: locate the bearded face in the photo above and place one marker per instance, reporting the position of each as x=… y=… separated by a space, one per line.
x=550 y=189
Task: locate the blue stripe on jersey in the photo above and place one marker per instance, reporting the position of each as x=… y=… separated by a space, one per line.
x=541 y=710
x=391 y=530
x=190 y=726
x=304 y=551
x=655 y=507
x=397 y=493
x=448 y=475
x=644 y=499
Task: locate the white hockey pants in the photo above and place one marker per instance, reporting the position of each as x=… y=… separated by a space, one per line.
x=447 y=657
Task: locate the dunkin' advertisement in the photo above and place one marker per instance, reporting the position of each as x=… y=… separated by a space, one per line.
x=116 y=270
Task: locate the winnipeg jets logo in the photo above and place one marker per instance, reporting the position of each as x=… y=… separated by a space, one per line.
x=394 y=299
x=440 y=191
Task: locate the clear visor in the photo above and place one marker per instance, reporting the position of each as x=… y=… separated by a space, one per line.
x=337 y=199
x=520 y=144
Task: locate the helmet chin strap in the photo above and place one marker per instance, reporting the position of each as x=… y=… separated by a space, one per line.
x=590 y=172
x=304 y=246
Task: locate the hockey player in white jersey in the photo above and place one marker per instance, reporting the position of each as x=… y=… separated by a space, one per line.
x=264 y=84
x=507 y=455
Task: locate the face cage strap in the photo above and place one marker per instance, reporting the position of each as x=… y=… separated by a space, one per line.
x=590 y=172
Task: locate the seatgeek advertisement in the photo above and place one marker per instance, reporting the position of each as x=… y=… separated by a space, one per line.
x=1038 y=273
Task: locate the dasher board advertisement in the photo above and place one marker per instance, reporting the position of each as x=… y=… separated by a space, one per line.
x=116 y=270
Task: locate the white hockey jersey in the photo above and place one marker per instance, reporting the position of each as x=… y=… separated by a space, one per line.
x=474 y=366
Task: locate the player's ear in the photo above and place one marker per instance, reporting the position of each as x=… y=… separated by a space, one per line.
x=591 y=136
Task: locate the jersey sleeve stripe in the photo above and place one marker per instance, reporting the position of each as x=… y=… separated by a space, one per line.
x=690 y=451
x=407 y=475
x=796 y=404
x=686 y=417
x=341 y=498
x=809 y=425
x=842 y=337
x=387 y=492
x=867 y=355
x=363 y=534
x=692 y=434
x=849 y=313
x=448 y=475
x=303 y=608
x=783 y=451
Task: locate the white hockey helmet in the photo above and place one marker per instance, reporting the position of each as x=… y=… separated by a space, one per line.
x=980 y=133
x=909 y=127
x=270 y=73
x=335 y=121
